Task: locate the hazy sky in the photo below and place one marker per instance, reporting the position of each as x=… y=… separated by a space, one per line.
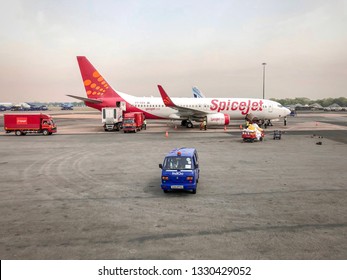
x=217 y=45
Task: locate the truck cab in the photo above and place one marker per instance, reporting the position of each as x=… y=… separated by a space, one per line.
x=48 y=126
x=180 y=170
x=133 y=122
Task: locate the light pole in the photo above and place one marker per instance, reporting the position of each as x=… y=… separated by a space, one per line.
x=263 y=79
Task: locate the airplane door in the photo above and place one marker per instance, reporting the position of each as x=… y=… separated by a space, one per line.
x=270 y=108
x=121 y=105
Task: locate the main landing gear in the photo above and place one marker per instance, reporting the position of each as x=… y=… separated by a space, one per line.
x=187 y=123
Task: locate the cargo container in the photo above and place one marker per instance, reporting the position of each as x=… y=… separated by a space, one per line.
x=133 y=121
x=112 y=118
x=22 y=124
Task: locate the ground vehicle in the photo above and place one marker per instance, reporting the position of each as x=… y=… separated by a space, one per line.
x=180 y=170
x=21 y=124
x=112 y=118
x=250 y=135
x=133 y=121
x=277 y=135
x=36 y=107
x=66 y=106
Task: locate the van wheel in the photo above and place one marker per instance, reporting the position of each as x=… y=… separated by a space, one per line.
x=194 y=191
x=45 y=132
x=18 y=133
x=165 y=191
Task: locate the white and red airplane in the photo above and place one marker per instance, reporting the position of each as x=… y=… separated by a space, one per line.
x=217 y=111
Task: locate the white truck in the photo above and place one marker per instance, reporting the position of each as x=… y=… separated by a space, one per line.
x=112 y=118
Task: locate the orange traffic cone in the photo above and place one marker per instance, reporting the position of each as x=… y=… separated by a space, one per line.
x=166 y=134
x=240 y=126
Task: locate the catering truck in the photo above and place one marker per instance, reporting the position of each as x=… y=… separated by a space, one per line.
x=133 y=122
x=21 y=124
x=112 y=118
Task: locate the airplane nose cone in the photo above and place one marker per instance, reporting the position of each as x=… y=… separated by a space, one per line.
x=287 y=111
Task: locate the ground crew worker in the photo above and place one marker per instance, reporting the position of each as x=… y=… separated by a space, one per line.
x=204 y=124
x=247 y=123
x=144 y=124
x=254 y=127
x=285 y=121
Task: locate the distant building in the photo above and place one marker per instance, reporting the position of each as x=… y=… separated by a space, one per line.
x=335 y=107
x=316 y=106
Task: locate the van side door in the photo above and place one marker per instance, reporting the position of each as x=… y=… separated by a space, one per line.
x=196 y=166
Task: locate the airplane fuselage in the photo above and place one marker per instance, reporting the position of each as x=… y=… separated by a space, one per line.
x=236 y=108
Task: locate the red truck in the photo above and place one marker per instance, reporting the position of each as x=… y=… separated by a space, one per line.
x=21 y=124
x=133 y=121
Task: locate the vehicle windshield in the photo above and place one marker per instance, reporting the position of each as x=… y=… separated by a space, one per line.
x=128 y=121
x=179 y=162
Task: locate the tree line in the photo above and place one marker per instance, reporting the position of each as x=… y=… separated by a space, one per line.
x=326 y=102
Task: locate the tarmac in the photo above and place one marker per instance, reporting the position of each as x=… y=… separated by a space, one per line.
x=88 y=194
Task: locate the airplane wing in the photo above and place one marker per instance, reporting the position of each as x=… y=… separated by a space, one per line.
x=95 y=101
x=182 y=111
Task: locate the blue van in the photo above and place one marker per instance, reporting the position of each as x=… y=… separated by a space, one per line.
x=180 y=170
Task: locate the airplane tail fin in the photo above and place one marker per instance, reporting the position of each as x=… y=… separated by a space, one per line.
x=95 y=85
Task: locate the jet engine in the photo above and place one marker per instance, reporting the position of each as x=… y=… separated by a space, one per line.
x=218 y=119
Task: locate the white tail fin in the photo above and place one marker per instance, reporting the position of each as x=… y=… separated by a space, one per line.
x=197 y=93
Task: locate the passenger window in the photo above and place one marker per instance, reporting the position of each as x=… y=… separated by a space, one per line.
x=195 y=160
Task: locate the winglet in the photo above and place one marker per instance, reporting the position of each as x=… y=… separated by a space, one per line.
x=166 y=99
